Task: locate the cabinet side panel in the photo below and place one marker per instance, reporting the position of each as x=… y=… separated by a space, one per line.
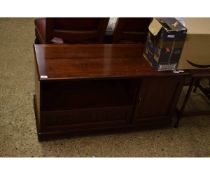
x=37 y=98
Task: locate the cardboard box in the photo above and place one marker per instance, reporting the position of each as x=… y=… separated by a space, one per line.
x=197 y=45
x=164 y=43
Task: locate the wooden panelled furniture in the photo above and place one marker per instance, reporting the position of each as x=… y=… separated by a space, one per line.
x=91 y=30
x=131 y=30
x=70 y=30
x=100 y=87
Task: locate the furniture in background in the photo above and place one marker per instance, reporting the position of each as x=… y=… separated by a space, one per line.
x=100 y=87
x=204 y=90
x=109 y=30
x=196 y=76
x=70 y=30
x=111 y=25
x=195 y=57
x=91 y=30
x=131 y=30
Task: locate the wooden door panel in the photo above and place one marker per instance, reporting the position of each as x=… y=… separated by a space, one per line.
x=156 y=97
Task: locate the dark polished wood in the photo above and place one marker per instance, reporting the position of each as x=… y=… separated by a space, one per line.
x=200 y=73
x=131 y=30
x=96 y=87
x=156 y=97
x=71 y=30
x=61 y=62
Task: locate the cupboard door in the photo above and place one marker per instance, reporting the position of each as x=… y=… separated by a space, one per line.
x=157 y=97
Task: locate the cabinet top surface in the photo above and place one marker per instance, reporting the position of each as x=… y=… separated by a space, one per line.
x=88 y=61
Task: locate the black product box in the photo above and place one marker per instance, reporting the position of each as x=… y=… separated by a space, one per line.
x=164 y=43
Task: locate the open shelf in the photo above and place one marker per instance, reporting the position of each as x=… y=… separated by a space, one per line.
x=68 y=95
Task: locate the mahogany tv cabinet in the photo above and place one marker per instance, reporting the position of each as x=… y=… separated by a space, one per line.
x=92 y=87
